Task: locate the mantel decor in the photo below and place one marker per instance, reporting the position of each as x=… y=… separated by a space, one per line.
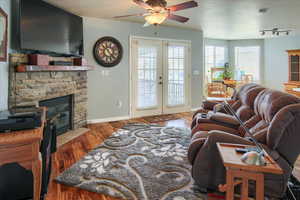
x=3 y=35
x=108 y=52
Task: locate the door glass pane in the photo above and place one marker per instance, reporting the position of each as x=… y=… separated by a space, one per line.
x=294 y=76
x=294 y=64
x=147 y=73
x=176 y=74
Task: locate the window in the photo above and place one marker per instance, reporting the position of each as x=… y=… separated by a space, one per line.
x=214 y=58
x=247 y=63
x=220 y=57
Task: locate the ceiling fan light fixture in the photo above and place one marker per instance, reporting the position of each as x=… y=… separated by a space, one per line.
x=156 y=18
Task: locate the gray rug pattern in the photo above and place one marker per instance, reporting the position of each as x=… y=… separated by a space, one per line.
x=138 y=162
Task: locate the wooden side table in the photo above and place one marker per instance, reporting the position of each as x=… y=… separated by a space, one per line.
x=238 y=172
x=229 y=84
x=23 y=147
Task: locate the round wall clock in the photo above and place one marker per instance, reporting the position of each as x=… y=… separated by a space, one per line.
x=108 y=52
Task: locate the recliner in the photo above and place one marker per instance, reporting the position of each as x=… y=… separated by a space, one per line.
x=208 y=105
x=276 y=124
x=226 y=122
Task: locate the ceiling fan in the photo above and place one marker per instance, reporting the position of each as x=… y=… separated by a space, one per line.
x=158 y=11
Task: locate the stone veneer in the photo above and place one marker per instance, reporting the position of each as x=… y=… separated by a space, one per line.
x=28 y=88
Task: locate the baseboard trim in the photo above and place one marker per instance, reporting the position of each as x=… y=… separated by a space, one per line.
x=110 y=119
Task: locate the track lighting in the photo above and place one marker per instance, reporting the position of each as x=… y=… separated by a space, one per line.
x=275 y=31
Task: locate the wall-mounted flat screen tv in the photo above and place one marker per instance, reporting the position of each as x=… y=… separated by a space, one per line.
x=46 y=28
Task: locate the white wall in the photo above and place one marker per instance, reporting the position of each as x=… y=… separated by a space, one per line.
x=5 y=5
x=276 y=60
x=104 y=92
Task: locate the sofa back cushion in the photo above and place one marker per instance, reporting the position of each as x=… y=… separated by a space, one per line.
x=284 y=133
x=243 y=89
x=269 y=102
x=246 y=110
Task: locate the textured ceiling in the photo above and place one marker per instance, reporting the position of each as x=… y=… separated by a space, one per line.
x=223 y=19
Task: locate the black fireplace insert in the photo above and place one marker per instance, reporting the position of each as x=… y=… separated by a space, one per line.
x=60 y=112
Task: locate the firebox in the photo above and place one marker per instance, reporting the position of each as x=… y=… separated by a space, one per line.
x=60 y=112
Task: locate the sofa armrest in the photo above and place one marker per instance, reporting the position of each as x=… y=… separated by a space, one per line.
x=223 y=118
x=209 y=105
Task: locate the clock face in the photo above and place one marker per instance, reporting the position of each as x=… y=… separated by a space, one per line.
x=108 y=52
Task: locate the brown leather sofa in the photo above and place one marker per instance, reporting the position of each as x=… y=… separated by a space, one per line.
x=275 y=125
x=226 y=122
x=209 y=105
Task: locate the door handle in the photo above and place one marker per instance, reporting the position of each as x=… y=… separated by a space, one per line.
x=160 y=82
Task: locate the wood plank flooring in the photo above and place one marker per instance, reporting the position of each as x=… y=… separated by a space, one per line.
x=73 y=151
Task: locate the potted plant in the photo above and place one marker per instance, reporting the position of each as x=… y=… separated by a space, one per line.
x=227 y=74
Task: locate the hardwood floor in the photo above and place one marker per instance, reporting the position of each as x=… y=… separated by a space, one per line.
x=73 y=151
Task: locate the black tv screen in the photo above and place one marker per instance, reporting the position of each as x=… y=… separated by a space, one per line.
x=46 y=28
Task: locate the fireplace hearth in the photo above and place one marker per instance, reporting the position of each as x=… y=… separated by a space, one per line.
x=60 y=112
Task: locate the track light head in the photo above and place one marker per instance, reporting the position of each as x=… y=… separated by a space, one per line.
x=274 y=31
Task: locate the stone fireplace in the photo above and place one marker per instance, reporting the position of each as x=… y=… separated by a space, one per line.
x=40 y=88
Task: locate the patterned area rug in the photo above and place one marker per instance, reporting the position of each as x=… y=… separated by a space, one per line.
x=139 y=162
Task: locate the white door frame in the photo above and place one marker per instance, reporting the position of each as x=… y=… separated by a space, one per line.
x=131 y=69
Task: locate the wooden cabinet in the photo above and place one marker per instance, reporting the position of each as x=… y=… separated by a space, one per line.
x=293 y=86
x=23 y=147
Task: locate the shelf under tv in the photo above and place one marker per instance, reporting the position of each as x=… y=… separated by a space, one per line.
x=50 y=68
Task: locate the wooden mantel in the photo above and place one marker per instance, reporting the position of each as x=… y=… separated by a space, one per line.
x=49 y=68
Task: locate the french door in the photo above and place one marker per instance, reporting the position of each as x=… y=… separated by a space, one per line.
x=160 y=77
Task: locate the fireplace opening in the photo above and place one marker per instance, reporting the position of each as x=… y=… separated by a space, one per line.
x=60 y=112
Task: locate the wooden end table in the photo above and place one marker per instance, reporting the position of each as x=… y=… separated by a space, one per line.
x=229 y=84
x=23 y=147
x=238 y=172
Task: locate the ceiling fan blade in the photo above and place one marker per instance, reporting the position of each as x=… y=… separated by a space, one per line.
x=133 y=15
x=178 y=18
x=143 y=4
x=183 y=6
